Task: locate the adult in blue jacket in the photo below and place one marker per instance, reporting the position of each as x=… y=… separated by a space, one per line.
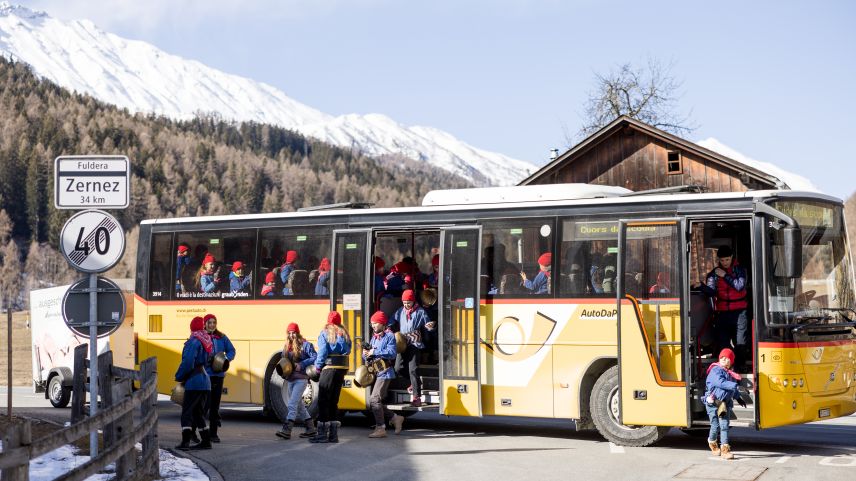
x=197 y=385
x=285 y=271
x=541 y=283
x=413 y=322
x=721 y=384
x=382 y=354
x=221 y=344
x=322 y=284
x=302 y=354
x=334 y=345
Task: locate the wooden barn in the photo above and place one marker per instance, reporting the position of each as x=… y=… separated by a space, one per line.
x=631 y=154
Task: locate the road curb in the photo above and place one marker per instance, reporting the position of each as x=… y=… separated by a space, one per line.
x=205 y=466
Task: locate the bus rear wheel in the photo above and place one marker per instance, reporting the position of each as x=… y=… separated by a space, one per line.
x=605 y=410
x=277 y=395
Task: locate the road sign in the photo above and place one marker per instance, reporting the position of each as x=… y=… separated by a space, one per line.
x=92 y=241
x=91 y=181
x=111 y=307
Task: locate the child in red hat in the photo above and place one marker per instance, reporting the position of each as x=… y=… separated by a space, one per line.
x=719 y=400
x=541 y=283
x=238 y=282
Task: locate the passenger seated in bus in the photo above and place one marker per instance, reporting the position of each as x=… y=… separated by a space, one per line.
x=208 y=281
x=285 y=271
x=269 y=288
x=238 y=282
x=596 y=273
x=662 y=285
x=321 y=284
x=609 y=283
x=541 y=283
x=183 y=261
x=413 y=322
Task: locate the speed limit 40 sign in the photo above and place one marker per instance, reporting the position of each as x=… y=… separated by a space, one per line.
x=92 y=241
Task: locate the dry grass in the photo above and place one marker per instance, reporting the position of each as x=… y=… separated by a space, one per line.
x=22 y=352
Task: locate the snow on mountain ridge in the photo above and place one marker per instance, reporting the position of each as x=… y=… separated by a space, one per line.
x=138 y=76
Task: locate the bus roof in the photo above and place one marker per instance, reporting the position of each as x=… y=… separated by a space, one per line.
x=484 y=200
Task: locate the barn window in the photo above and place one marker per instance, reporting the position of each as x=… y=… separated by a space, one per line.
x=673 y=162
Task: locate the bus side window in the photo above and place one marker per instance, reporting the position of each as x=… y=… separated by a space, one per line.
x=302 y=274
x=587 y=266
x=511 y=248
x=215 y=264
x=160 y=285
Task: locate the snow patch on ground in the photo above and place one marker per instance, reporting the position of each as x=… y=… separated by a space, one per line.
x=60 y=461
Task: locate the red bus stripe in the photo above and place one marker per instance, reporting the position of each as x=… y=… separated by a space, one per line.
x=549 y=301
x=226 y=302
x=806 y=344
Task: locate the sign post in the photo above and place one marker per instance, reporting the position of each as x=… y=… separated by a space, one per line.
x=92 y=241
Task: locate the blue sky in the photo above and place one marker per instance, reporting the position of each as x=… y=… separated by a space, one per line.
x=771 y=79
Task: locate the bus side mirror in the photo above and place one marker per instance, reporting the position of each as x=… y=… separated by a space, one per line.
x=793 y=252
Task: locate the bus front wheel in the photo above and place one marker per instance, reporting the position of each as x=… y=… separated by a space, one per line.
x=277 y=395
x=605 y=414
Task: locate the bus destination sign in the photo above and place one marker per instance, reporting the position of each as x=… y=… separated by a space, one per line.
x=91 y=181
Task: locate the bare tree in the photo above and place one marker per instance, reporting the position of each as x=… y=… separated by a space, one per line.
x=649 y=94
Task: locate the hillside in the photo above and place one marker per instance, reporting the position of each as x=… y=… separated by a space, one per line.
x=203 y=166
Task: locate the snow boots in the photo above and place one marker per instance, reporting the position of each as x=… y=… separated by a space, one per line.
x=714 y=447
x=725 y=452
x=285 y=432
x=186 y=434
x=321 y=435
x=334 y=432
x=310 y=429
x=206 y=440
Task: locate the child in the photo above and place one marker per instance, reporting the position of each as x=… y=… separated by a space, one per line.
x=719 y=400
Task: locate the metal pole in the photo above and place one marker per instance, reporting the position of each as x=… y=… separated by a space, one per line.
x=9 y=359
x=93 y=361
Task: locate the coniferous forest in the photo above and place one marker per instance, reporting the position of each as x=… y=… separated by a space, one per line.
x=197 y=167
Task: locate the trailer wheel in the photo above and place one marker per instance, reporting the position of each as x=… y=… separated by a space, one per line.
x=605 y=410
x=58 y=394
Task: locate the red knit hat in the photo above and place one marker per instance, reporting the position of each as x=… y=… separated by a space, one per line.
x=546 y=259
x=208 y=259
x=379 y=263
x=237 y=265
x=435 y=261
x=182 y=248
x=270 y=278
x=324 y=266
x=727 y=353
x=293 y=327
x=207 y=317
x=379 y=318
x=408 y=295
x=197 y=324
x=290 y=257
x=334 y=318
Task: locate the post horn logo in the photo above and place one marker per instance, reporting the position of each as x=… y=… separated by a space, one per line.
x=510 y=341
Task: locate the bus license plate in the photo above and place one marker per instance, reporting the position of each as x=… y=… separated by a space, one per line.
x=823 y=413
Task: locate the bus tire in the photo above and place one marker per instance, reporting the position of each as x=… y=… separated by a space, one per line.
x=58 y=394
x=276 y=390
x=604 y=413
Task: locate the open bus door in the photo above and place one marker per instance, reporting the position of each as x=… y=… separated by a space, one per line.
x=460 y=384
x=350 y=295
x=652 y=340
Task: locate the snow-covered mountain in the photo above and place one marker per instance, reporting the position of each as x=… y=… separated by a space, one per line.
x=142 y=78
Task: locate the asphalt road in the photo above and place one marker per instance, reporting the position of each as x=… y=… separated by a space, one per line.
x=436 y=447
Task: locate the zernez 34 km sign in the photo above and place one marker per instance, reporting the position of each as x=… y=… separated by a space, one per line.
x=85 y=181
x=92 y=241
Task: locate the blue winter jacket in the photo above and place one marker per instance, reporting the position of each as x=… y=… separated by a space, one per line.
x=540 y=284
x=239 y=284
x=191 y=370
x=721 y=384
x=321 y=287
x=283 y=275
x=207 y=283
x=305 y=358
x=384 y=346
x=221 y=344
x=180 y=263
x=342 y=346
x=417 y=321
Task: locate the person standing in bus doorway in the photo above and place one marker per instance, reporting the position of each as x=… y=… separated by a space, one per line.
x=382 y=353
x=334 y=345
x=238 y=282
x=541 y=283
x=222 y=344
x=197 y=385
x=322 y=287
x=286 y=270
x=301 y=353
x=719 y=397
x=413 y=322
x=727 y=285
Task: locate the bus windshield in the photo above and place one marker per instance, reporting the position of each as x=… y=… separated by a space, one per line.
x=823 y=294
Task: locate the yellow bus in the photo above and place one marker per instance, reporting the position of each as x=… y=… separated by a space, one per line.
x=616 y=341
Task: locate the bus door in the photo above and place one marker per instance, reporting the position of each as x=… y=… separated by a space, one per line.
x=350 y=295
x=460 y=386
x=651 y=334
